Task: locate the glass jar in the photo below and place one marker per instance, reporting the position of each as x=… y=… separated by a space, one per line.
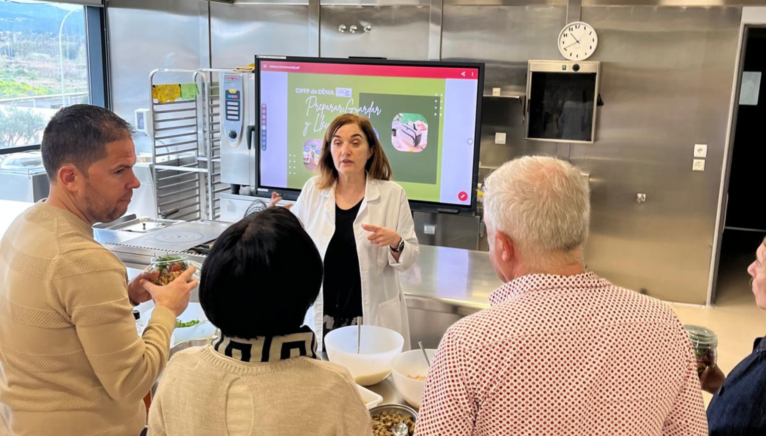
x=170 y=267
x=705 y=344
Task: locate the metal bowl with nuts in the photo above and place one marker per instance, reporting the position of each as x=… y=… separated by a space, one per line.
x=386 y=420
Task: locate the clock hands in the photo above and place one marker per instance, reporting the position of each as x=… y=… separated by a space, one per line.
x=577 y=41
x=574 y=43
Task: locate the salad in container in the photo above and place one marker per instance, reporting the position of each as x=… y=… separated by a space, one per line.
x=705 y=344
x=170 y=267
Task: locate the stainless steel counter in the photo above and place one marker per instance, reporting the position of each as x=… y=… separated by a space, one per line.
x=459 y=277
x=452 y=276
x=387 y=390
x=445 y=284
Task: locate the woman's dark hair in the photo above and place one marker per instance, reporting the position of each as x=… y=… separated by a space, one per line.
x=261 y=276
x=377 y=166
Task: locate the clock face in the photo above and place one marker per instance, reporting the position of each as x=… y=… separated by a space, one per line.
x=577 y=41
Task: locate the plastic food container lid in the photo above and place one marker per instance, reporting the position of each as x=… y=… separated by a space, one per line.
x=701 y=336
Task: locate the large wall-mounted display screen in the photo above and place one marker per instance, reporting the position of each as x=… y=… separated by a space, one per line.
x=426 y=116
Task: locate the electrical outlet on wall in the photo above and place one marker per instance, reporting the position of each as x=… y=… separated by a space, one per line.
x=698 y=165
x=429 y=229
x=500 y=138
x=700 y=150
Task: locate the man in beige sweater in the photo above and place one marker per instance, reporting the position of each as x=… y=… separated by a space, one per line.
x=71 y=361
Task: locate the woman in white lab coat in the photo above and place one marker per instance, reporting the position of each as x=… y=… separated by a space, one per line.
x=362 y=225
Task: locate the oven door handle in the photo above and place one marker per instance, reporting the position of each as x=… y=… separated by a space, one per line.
x=249 y=130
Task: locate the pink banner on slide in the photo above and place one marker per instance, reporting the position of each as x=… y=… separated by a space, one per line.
x=372 y=70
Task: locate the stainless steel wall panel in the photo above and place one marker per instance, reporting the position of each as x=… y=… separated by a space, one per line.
x=83 y=2
x=574 y=10
x=447 y=230
x=506 y=3
x=239 y=32
x=146 y=35
x=398 y=32
x=666 y=84
x=667 y=75
x=271 y=2
x=659 y=3
x=205 y=51
x=375 y=2
x=315 y=18
x=505 y=38
x=674 y=3
x=435 y=30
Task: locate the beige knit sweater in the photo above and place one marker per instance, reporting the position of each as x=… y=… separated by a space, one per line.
x=204 y=393
x=71 y=361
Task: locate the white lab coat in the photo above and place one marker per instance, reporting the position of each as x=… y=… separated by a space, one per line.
x=385 y=204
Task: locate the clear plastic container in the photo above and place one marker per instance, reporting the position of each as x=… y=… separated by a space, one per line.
x=370 y=398
x=705 y=344
x=170 y=267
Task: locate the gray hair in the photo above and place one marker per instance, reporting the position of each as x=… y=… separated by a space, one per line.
x=541 y=203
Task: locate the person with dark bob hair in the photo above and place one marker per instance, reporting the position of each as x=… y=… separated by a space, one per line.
x=258 y=281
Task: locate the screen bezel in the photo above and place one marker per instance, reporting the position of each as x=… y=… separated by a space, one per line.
x=291 y=193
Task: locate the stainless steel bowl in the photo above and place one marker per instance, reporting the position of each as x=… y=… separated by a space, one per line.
x=400 y=408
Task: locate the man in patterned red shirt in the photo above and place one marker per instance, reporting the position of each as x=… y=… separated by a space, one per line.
x=561 y=351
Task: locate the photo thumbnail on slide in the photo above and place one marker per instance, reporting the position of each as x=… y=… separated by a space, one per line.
x=409 y=132
x=312 y=151
x=412 y=148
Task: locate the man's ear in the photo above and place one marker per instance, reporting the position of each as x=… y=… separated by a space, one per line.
x=68 y=177
x=505 y=246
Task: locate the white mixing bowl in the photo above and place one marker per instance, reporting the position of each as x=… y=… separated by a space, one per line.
x=411 y=363
x=373 y=363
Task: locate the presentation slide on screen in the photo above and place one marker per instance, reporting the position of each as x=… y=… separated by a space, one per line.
x=425 y=118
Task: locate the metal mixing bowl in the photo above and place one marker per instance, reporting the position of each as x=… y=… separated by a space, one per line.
x=402 y=409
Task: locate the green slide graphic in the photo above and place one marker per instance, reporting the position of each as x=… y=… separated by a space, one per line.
x=406 y=113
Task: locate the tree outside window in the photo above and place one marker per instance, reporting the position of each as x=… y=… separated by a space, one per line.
x=43 y=67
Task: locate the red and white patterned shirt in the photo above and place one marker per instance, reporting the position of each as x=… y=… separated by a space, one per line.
x=564 y=356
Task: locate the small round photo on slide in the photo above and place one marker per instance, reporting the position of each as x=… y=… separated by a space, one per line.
x=312 y=150
x=409 y=132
